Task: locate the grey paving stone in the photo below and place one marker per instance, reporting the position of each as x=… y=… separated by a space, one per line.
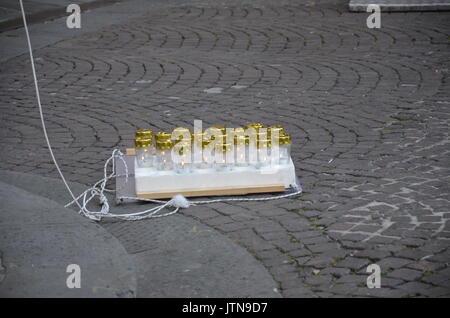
x=436 y=292
x=391 y=282
x=436 y=279
x=393 y=263
x=415 y=254
x=353 y=263
x=405 y=274
x=336 y=272
x=318 y=280
x=414 y=286
x=356 y=279
x=425 y=266
x=373 y=254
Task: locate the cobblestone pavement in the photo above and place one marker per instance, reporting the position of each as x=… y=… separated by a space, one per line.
x=369 y=110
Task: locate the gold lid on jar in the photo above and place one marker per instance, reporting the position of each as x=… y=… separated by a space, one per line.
x=143 y=142
x=143 y=133
x=222 y=128
x=239 y=131
x=163 y=136
x=278 y=128
x=197 y=133
x=284 y=140
x=197 y=136
x=164 y=145
x=261 y=135
x=256 y=126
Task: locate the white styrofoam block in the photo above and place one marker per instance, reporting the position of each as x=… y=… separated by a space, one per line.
x=151 y=180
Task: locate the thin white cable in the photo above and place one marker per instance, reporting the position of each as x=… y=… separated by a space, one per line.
x=40 y=106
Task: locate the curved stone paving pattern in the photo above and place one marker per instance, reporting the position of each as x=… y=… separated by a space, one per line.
x=369 y=111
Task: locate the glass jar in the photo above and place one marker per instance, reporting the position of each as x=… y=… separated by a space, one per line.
x=220 y=139
x=261 y=134
x=275 y=131
x=181 y=134
x=285 y=149
x=164 y=155
x=251 y=135
x=145 y=152
x=252 y=151
x=215 y=132
x=207 y=154
x=197 y=149
x=223 y=159
x=222 y=128
x=241 y=151
x=264 y=159
x=258 y=145
x=182 y=163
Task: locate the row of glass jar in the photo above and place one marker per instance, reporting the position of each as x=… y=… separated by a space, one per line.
x=217 y=148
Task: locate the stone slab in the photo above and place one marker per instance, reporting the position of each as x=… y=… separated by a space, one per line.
x=40 y=238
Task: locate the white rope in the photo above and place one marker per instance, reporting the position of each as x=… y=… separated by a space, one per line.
x=178 y=201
